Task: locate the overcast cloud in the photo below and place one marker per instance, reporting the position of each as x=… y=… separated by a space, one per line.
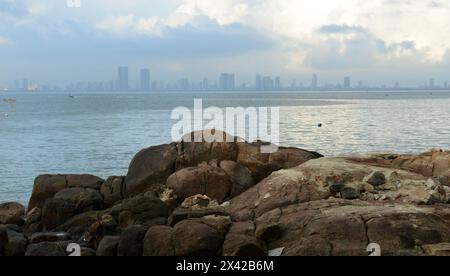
x=375 y=41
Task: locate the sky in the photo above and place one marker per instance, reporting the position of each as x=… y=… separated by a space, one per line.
x=377 y=41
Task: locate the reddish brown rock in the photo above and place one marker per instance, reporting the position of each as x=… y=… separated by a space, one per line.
x=131 y=241
x=195 y=238
x=84 y=181
x=84 y=199
x=46 y=186
x=151 y=167
x=241 y=176
x=113 y=190
x=204 y=179
x=12 y=213
x=56 y=212
x=158 y=242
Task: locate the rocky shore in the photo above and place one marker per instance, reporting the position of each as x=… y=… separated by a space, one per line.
x=228 y=199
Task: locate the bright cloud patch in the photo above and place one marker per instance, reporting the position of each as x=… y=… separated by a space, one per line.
x=3 y=40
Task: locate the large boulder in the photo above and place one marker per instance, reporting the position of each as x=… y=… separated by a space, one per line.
x=280 y=189
x=12 y=213
x=158 y=241
x=12 y=242
x=48 y=249
x=204 y=179
x=142 y=209
x=338 y=227
x=108 y=246
x=46 y=186
x=131 y=241
x=113 y=190
x=84 y=199
x=84 y=181
x=263 y=164
x=49 y=237
x=194 y=237
x=56 y=212
x=338 y=177
x=435 y=163
x=80 y=224
x=241 y=176
x=151 y=167
x=240 y=241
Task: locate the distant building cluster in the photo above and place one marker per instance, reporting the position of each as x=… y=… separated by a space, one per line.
x=224 y=82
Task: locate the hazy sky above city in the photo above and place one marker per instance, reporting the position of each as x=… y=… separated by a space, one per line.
x=377 y=41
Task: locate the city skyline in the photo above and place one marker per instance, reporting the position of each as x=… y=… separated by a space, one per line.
x=53 y=42
x=224 y=82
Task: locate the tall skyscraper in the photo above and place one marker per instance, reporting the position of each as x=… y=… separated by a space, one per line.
x=445 y=85
x=431 y=85
x=17 y=85
x=145 y=80
x=314 y=82
x=258 y=82
x=122 y=79
x=267 y=83
x=183 y=84
x=25 y=85
x=278 y=83
x=347 y=83
x=227 y=82
x=205 y=84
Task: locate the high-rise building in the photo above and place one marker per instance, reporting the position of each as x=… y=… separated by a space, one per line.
x=25 y=85
x=267 y=83
x=347 y=83
x=17 y=85
x=205 y=84
x=122 y=79
x=314 y=81
x=258 y=82
x=431 y=85
x=183 y=84
x=278 y=83
x=145 y=80
x=445 y=85
x=227 y=82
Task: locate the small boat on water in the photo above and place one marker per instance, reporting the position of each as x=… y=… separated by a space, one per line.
x=72 y=96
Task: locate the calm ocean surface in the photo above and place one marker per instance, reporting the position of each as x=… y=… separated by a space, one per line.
x=99 y=133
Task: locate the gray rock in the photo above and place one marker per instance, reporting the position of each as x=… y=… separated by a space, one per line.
x=113 y=190
x=337 y=187
x=376 y=179
x=108 y=246
x=349 y=193
x=49 y=237
x=47 y=249
x=12 y=242
x=57 y=212
x=84 y=199
x=131 y=241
